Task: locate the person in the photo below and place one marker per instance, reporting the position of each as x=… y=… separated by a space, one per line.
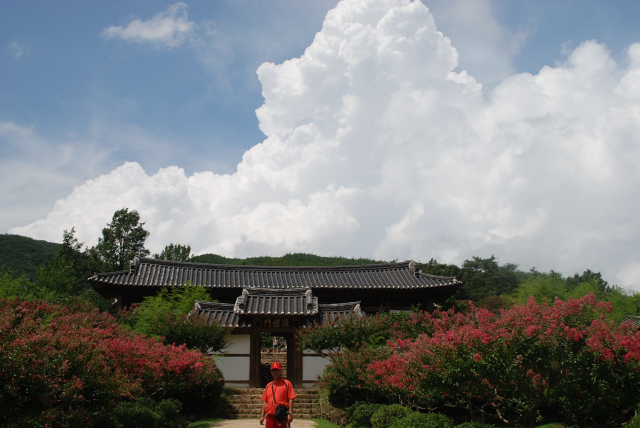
x=275 y=344
x=284 y=396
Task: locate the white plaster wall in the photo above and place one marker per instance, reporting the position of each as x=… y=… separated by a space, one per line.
x=240 y=344
x=236 y=368
x=312 y=367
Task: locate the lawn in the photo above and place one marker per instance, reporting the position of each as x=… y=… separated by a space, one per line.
x=204 y=423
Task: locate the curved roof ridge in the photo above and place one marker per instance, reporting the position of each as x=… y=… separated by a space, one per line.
x=374 y=266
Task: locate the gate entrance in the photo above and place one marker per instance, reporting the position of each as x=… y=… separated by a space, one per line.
x=286 y=353
x=256 y=318
x=271 y=353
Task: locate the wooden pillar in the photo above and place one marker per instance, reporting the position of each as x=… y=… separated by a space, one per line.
x=294 y=361
x=119 y=303
x=254 y=359
x=294 y=368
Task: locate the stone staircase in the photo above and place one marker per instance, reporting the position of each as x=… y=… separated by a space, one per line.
x=245 y=403
x=265 y=366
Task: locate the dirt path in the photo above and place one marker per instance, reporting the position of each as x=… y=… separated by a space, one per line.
x=255 y=423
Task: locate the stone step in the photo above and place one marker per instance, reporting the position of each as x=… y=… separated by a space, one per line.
x=245 y=403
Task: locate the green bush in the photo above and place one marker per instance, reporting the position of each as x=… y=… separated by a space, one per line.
x=475 y=425
x=143 y=413
x=361 y=414
x=192 y=331
x=387 y=415
x=165 y=316
x=175 y=300
x=422 y=420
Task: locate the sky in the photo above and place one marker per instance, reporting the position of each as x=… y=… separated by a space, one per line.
x=386 y=129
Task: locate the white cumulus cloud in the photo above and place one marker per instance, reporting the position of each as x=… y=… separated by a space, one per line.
x=17 y=50
x=170 y=28
x=376 y=147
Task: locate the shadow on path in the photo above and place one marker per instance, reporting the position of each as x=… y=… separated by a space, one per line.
x=255 y=423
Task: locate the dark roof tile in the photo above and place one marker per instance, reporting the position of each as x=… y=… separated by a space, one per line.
x=160 y=273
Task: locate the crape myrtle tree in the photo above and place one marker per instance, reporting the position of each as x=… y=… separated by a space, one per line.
x=534 y=363
x=122 y=240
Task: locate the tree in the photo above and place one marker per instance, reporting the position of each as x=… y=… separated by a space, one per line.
x=167 y=315
x=433 y=267
x=544 y=288
x=122 y=240
x=485 y=277
x=175 y=252
x=594 y=278
x=59 y=276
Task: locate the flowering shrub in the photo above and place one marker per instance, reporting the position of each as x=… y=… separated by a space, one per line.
x=63 y=367
x=519 y=366
x=346 y=378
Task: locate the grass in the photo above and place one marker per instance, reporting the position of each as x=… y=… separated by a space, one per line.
x=204 y=423
x=321 y=423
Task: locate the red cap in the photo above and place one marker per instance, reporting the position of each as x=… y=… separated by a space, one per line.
x=276 y=366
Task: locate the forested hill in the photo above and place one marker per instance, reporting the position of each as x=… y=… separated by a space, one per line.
x=24 y=255
x=296 y=259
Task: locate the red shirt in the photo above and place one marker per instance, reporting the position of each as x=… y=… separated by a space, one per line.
x=284 y=392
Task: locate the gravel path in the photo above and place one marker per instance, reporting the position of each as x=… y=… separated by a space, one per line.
x=255 y=423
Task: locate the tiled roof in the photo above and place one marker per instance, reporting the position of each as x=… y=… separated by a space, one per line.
x=270 y=302
x=220 y=312
x=332 y=311
x=160 y=273
x=276 y=302
x=635 y=321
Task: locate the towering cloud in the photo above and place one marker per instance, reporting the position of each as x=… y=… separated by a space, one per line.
x=376 y=146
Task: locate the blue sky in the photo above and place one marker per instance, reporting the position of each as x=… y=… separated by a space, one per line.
x=60 y=78
x=78 y=101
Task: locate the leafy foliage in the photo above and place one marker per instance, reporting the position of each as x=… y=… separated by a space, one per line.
x=546 y=288
x=485 y=277
x=290 y=259
x=12 y=285
x=59 y=276
x=517 y=367
x=353 y=333
x=66 y=367
x=23 y=255
x=361 y=413
x=385 y=416
x=165 y=315
x=175 y=252
x=62 y=279
x=192 y=331
x=432 y=267
x=475 y=425
x=423 y=420
x=143 y=413
x=122 y=240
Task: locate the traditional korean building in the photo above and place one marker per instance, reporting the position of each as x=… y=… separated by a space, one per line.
x=279 y=300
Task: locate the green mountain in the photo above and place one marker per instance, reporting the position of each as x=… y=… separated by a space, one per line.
x=295 y=259
x=24 y=255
